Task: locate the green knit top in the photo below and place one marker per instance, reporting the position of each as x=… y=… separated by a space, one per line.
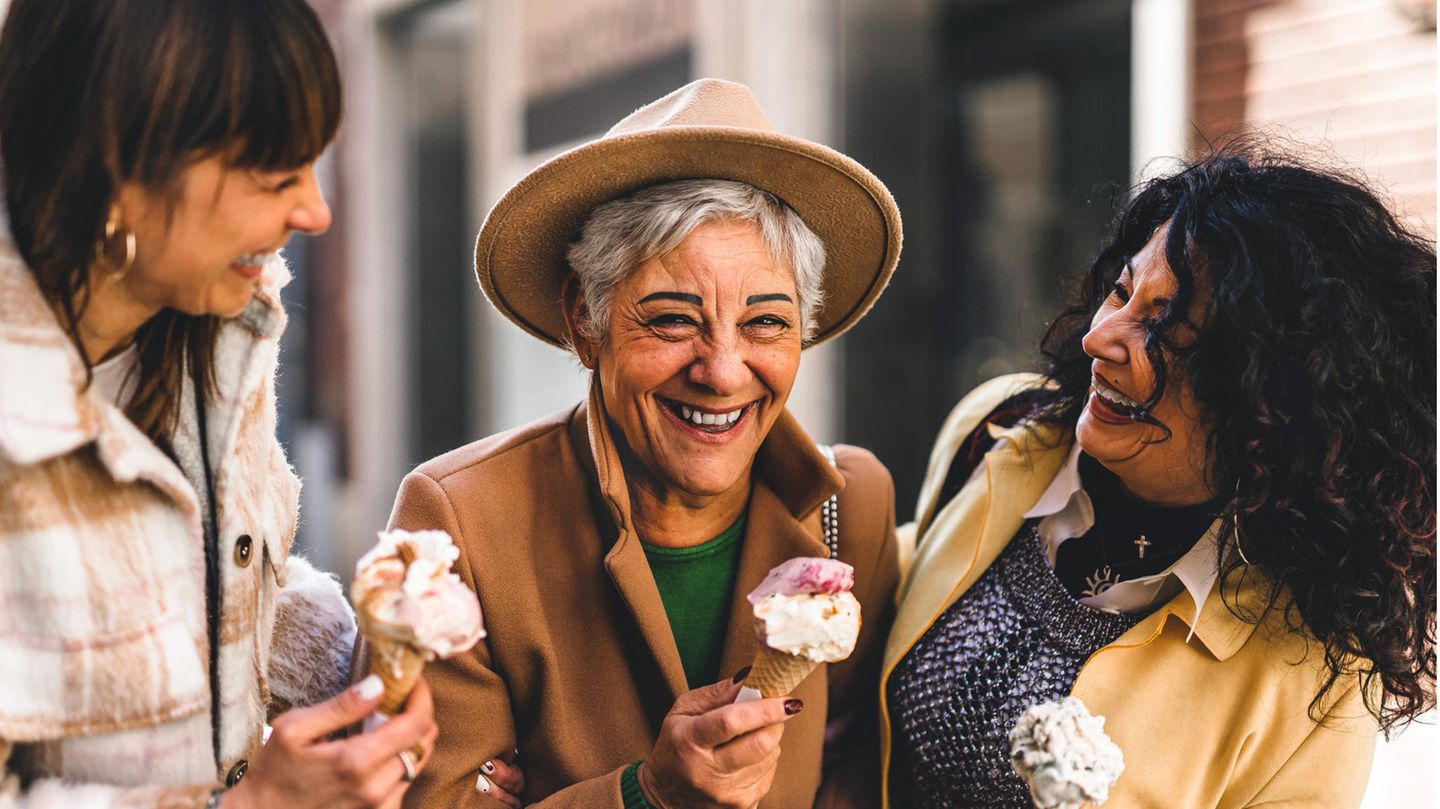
x=696 y=584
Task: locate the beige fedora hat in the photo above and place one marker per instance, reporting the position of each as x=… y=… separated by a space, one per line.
x=706 y=129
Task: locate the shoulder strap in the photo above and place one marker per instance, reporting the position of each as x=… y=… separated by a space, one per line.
x=830 y=512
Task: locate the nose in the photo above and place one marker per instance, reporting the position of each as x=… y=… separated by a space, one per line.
x=720 y=366
x=311 y=214
x=1106 y=338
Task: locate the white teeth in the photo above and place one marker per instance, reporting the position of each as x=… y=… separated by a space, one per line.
x=700 y=419
x=1112 y=395
x=252 y=259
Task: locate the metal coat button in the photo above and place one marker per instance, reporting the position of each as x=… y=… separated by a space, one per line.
x=244 y=549
x=237 y=772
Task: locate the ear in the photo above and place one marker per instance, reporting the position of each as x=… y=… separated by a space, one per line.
x=131 y=201
x=572 y=303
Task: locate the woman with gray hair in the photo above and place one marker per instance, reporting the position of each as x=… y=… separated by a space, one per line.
x=686 y=258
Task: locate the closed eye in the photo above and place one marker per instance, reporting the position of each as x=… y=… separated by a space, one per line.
x=768 y=320
x=767 y=324
x=671 y=321
x=1119 y=291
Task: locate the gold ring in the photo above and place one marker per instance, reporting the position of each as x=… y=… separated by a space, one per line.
x=407 y=760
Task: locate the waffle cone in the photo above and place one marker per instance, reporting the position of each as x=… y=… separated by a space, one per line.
x=776 y=674
x=398 y=666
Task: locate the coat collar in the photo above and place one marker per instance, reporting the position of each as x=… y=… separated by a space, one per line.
x=952 y=555
x=53 y=412
x=959 y=540
x=1067 y=502
x=791 y=481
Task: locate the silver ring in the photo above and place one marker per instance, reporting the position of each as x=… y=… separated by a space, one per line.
x=407 y=760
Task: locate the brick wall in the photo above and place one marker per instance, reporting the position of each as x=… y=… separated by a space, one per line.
x=1357 y=77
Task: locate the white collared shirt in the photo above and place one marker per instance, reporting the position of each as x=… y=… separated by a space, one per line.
x=1065 y=512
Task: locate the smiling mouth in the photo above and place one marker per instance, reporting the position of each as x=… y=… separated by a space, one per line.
x=707 y=421
x=1115 y=403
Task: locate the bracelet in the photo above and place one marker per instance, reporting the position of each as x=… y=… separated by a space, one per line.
x=213 y=802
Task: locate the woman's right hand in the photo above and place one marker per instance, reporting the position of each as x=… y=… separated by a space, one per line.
x=299 y=768
x=713 y=753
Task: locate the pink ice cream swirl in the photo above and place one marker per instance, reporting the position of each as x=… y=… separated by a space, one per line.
x=805 y=609
x=805 y=575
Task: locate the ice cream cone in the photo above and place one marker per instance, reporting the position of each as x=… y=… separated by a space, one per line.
x=776 y=674
x=398 y=666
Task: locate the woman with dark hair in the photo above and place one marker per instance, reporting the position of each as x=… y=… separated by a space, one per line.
x=156 y=155
x=1212 y=520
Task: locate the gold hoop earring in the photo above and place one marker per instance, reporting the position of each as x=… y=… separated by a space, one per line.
x=1235 y=525
x=1240 y=549
x=112 y=226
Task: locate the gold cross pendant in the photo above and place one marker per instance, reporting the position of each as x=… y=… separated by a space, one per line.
x=1142 y=543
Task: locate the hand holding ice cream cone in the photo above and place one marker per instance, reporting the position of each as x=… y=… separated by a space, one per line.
x=412 y=609
x=805 y=615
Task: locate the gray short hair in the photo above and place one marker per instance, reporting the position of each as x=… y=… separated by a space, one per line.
x=624 y=233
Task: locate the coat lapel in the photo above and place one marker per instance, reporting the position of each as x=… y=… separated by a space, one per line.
x=969 y=532
x=625 y=560
x=630 y=570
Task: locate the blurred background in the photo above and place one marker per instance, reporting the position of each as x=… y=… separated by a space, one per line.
x=1007 y=130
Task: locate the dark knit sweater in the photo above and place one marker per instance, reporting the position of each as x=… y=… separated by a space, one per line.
x=1014 y=639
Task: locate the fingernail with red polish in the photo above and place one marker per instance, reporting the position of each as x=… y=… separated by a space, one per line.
x=793 y=706
x=740 y=675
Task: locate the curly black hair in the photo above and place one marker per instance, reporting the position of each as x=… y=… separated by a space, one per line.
x=1317 y=362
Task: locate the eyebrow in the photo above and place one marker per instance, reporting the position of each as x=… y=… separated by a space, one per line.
x=1158 y=302
x=772 y=296
x=683 y=297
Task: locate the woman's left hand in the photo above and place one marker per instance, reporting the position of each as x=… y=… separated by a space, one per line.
x=501 y=781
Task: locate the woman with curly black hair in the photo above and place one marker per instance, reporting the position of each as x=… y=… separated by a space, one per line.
x=1212 y=520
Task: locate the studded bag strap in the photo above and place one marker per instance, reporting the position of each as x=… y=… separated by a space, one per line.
x=830 y=512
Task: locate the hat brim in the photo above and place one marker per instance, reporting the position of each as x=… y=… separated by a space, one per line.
x=520 y=251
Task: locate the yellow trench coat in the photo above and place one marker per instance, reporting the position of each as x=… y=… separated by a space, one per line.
x=1219 y=721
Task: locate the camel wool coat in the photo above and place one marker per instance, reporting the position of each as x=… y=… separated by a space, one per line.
x=1215 y=720
x=580 y=666
x=104 y=643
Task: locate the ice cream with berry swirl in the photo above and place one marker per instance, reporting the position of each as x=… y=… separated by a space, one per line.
x=805 y=615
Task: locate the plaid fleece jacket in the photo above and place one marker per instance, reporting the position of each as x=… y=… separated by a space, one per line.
x=104 y=651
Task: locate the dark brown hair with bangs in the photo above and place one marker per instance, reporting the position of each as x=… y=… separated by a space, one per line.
x=97 y=94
